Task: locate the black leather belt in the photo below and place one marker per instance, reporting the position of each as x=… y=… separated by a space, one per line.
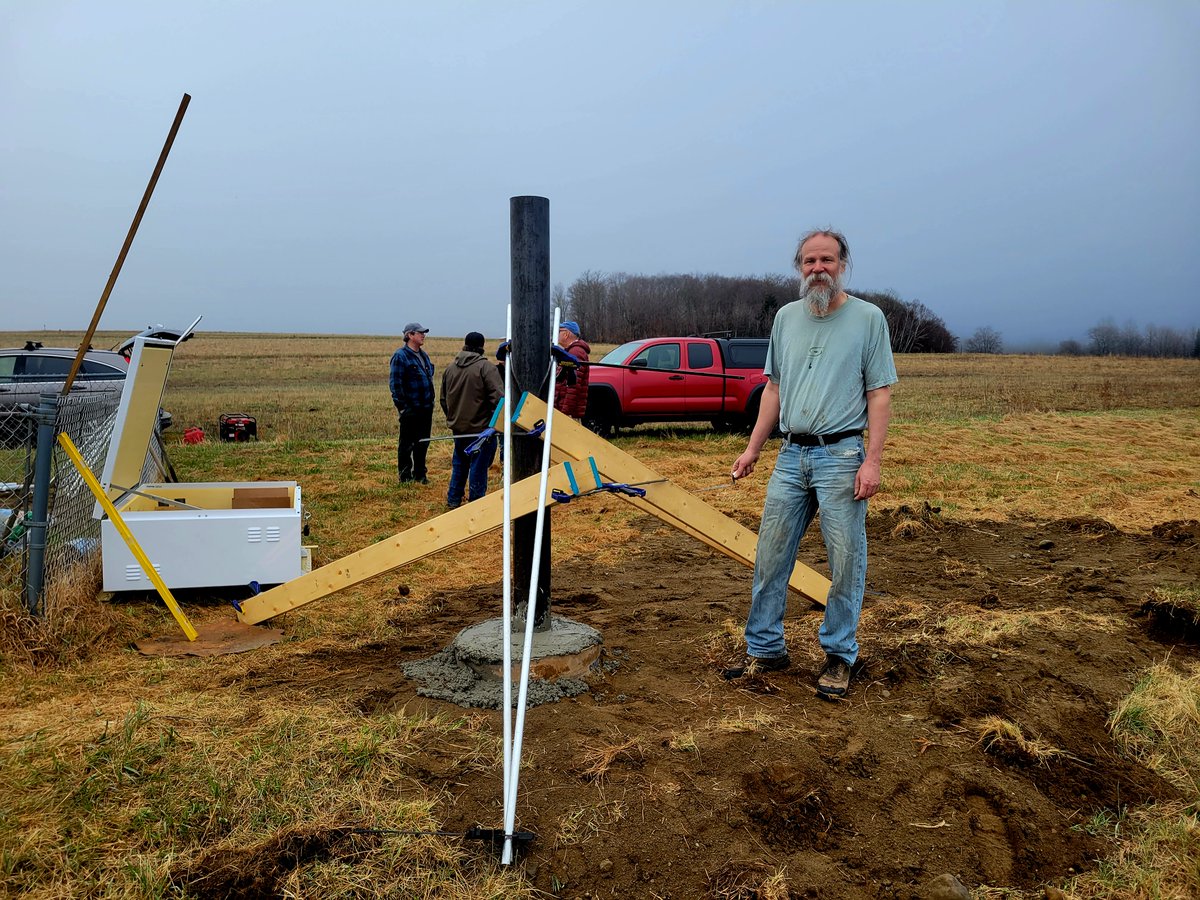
x=815 y=440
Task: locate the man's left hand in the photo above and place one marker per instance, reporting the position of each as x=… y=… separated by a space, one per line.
x=866 y=482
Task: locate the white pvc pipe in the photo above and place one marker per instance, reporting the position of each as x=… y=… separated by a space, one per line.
x=506 y=626
x=527 y=651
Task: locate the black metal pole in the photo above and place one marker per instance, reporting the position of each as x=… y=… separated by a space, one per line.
x=47 y=414
x=529 y=219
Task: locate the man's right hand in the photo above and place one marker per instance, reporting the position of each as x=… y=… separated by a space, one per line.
x=744 y=464
x=764 y=424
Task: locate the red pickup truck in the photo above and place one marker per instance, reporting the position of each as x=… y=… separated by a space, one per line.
x=678 y=379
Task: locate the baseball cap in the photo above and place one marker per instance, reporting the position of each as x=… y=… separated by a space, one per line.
x=572 y=327
x=415 y=326
x=473 y=340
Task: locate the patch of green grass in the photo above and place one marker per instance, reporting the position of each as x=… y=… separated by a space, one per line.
x=1104 y=823
x=1158 y=724
x=1157 y=854
x=136 y=803
x=1182 y=599
x=1158 y=858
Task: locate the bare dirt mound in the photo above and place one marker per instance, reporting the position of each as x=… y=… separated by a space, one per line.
x=665 y=781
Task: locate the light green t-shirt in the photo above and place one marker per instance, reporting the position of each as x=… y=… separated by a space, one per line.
x=824 y=365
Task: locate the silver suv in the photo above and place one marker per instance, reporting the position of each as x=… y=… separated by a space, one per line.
x=27 y=372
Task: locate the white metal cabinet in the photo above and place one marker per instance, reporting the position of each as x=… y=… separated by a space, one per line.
x=204 y=534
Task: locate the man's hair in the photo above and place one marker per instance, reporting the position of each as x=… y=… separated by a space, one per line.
x=843 y=247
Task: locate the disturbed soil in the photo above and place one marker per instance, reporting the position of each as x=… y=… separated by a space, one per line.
x=664 y=780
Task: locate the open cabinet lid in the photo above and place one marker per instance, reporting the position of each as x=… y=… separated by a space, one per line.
x=137 y=415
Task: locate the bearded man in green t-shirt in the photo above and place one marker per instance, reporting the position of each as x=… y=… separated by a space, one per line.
x=830 y=369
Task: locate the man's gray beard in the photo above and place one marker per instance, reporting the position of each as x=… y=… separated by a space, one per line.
x=819 y=294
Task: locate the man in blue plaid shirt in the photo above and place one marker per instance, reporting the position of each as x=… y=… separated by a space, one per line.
x=411 y=382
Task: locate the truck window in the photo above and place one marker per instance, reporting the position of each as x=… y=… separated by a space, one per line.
x=700 y=356
x=660 y=356
x=747 y=355
x=620 y=354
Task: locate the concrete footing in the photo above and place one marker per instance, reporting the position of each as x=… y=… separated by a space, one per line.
x=468 y=672
x=567 y=648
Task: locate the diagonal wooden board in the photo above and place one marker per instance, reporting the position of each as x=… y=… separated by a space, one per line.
x=572 y=445
x=450 y=528
x=570 y=440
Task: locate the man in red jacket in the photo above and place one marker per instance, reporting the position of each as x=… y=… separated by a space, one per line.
x=571 y=386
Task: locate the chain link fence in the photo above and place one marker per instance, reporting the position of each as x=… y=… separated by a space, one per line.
x=73 y=531
x=18 y=440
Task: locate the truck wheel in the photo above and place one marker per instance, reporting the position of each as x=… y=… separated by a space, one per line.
x=601 y=426
x=603 y=413
x=746 y=424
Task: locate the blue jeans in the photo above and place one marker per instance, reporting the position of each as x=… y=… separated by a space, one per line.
x=805 y=479
x=469 y=470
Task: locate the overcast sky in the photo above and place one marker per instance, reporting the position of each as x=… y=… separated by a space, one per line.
x=347 y=167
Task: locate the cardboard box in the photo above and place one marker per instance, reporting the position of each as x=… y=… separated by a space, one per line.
x=262 y=497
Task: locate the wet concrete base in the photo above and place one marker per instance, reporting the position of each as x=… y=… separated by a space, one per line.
x=469 y=671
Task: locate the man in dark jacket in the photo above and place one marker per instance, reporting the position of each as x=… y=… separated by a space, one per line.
x=411 y=382
x=571 y=386
x=471 y=390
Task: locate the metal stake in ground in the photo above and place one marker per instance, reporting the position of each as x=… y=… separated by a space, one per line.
x=506 y=620
x=541 y=545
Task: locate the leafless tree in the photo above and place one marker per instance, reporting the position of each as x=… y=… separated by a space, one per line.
x=1104 y=338
x=1132 y=341
x=986 y=339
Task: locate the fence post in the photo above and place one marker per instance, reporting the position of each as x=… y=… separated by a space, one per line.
x=46 y=415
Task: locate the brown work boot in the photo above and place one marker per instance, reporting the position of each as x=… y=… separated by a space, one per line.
x=756 y=665
x=834 y=680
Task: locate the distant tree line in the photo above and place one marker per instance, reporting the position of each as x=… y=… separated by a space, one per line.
x=617 y=307
x=614 y=308
x=1107 y=339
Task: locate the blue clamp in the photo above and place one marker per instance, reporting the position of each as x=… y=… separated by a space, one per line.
x=563 y=357
x=484 y=436
x=614 y=488
x=629 y=490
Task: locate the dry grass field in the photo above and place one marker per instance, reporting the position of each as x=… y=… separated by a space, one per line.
x=1028 y=712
